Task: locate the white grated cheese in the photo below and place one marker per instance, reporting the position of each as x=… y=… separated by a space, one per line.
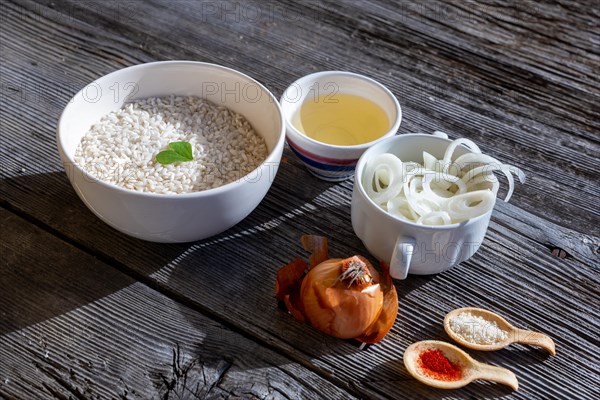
x=477 y=330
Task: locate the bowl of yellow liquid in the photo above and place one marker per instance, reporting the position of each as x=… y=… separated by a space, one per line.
x=332 y=117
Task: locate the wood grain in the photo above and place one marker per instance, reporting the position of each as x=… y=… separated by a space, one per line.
x=101 y=334
x=491 y=279
x=521 y=80
x=521 y=110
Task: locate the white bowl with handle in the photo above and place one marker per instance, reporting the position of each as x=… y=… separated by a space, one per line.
x=405 y=246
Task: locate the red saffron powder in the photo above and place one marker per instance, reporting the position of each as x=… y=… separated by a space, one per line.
x=435 y=365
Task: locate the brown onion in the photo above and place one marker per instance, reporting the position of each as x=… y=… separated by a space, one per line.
x=345 y=298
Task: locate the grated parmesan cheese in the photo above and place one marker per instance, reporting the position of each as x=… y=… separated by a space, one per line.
x=477 y=330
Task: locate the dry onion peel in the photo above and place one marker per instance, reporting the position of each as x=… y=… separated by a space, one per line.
x=340 y=307
x=385 y=321
x=430 y=193
x=345 y=298
x=318 y=248
x=287 y=289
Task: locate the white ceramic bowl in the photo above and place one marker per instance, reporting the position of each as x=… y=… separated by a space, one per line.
x=326 y=161
x=406 y=246
x=173 y=218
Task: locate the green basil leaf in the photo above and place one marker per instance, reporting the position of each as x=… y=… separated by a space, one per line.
x=177 y=152
x=169 y=157
x=184 y=149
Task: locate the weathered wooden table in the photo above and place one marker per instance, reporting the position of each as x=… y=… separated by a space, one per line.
x=87 y=313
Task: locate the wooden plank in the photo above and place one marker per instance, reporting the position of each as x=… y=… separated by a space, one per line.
x=73 y=327
x=494 y=94
x=519 y=130
x=236 y=263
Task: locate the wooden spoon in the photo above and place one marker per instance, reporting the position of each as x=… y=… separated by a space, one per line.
x=514 y=335
x=471 y=369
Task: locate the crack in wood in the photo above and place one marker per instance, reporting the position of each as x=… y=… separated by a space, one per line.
x=55 y=376
x=180 y=382
x=559 y=253
x=54 y=392
x=282 y=393
x=222 y=373
x=55 y=371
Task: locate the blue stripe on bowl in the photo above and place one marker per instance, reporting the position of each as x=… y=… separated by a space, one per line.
x=321 y=166
x=331 y=177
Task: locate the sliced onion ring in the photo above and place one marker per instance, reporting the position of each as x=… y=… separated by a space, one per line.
x=452 y=146
x=470 y=205
x=386 y=166
x=506 y=169
x=429 y=161
x=431 y=193
x=419 y=201
x=399 y=207
x=428 y=219
x=483 y=178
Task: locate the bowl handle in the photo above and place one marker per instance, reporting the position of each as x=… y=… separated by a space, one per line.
x=403 y=251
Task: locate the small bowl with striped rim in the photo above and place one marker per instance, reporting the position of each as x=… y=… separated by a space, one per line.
x=328 y=161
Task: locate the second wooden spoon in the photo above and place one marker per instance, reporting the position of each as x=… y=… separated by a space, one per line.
x=514 y=335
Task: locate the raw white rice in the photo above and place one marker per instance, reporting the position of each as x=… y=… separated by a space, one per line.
x=121 y=148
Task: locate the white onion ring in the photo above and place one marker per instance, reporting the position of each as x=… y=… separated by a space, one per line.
x=429 y=161
x=429 y=194
x=430 y=178
x=506 y=169
x=389 y=168
x=411 y=168
x=452 y=146
x=475 y=158
x=398 y=207
x=483 y=178
x=443 y=215
x=418 y=200
x=460 y=207
x=442 y=184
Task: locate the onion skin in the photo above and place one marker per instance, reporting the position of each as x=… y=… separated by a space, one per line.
x=344 y=298
x=389 y=311
x=287 y=288
x=318 y=248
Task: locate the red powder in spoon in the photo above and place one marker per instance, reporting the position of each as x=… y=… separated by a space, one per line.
x=435 y=365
